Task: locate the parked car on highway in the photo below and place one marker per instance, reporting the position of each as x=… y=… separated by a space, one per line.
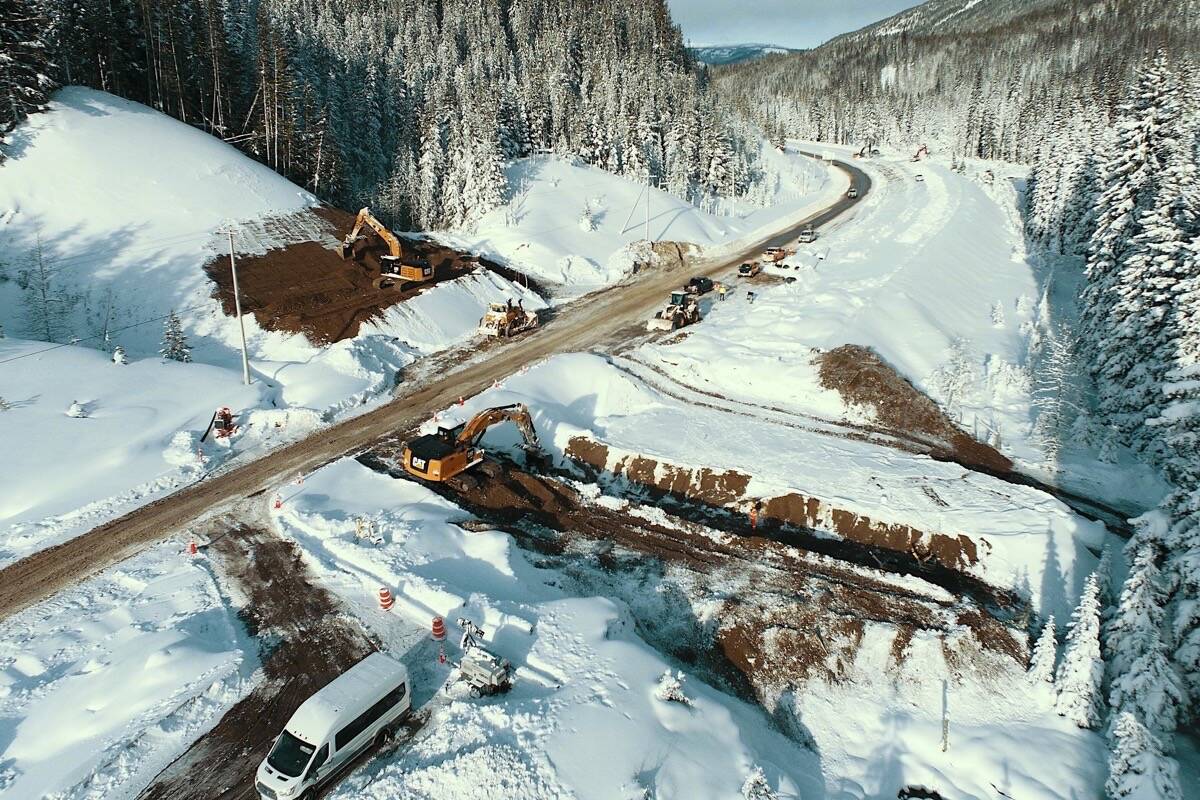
x=364 y=704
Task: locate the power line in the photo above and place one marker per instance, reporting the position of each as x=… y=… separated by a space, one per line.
x=77 y=339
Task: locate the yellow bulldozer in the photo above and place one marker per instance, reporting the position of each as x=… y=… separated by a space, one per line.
x=443 y=456
x=507 y=319
x=394 y=267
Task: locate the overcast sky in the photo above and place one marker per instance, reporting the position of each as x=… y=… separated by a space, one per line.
x=791 y=23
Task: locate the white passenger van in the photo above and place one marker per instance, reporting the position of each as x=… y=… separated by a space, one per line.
x=364 y=704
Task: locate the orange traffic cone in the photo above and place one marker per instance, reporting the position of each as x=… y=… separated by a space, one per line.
x=439 y=629
x=386 y=601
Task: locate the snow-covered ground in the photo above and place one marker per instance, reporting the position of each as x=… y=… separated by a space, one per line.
x=1028 y=540
x=584 y=721
x=106 y=683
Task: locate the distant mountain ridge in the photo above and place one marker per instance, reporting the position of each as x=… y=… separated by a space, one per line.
x=717 y=55
x=999 y=79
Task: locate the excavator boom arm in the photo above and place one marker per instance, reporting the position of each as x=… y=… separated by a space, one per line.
x=517 y=413
x=365 y=217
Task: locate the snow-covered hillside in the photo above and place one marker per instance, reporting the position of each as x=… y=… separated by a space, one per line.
x=542 y=231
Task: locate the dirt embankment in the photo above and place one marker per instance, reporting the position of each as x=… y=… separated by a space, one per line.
x=724 y=489
x=307 y=640
x=307 y=288
x=863 y=378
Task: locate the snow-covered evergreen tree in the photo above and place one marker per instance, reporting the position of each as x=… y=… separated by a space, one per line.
x=1133 y=257
x=174 y=342
x=755 y=787
x=1045 y=654
x=1081 y=672
x=1137 y=768
x=25 y=63
x=1139 y=614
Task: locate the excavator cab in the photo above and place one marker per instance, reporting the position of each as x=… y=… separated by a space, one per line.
x=438 y=456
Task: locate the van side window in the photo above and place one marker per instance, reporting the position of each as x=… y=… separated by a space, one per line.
x=320 y=758
x=349 y=733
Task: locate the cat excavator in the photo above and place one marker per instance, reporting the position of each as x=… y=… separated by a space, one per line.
x=394 y=267
x=443 y=456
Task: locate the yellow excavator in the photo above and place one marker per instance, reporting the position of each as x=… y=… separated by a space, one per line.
x=394 y=267
x=444 y=455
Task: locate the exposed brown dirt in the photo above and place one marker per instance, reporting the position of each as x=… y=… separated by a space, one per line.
x=863 y=378
x=307 y=640
x=728 y=488
x=307 y=288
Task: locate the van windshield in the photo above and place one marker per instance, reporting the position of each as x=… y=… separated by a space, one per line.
x=290 y=755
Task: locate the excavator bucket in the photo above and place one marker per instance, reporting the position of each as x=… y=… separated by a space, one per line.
x=347 y=250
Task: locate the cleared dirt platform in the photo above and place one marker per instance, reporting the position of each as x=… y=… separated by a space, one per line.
x=307 y=288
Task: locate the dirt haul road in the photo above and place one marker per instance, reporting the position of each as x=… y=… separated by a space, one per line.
x=590 y=322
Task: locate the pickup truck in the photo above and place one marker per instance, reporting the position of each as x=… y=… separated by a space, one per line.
x=699 y=285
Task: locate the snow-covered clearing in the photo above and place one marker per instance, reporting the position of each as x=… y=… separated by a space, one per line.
x=105 y=684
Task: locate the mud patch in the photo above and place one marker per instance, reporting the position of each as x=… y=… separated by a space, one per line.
x=307 y=288
x=864 y=379
x=306 y=639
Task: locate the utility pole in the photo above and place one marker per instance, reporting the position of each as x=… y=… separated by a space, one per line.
x=649 y=177
x=237 y=304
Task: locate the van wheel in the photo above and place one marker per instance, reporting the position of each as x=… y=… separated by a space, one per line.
x=383 y=737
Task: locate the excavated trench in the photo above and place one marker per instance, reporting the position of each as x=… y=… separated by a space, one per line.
x=793 y=604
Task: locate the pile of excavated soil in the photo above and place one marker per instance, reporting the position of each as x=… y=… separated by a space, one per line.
x=307 y=288
x=307 y=641
x=862 y=378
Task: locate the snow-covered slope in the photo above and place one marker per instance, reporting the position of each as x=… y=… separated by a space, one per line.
x=540 y=233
